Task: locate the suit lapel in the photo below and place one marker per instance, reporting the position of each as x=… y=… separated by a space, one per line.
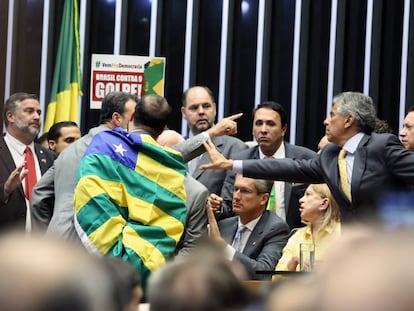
x=256 y=234
x=43 y=159
x=6 y=156
x=229 y=230
x=204 y=159
x=360 y=160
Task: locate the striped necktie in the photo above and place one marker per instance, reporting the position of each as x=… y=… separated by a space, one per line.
x=343 y=176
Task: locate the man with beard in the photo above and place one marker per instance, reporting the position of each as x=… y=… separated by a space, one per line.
x=23 y=161
x=199 y=110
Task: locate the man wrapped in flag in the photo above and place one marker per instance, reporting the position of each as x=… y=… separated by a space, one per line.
x=130 y=195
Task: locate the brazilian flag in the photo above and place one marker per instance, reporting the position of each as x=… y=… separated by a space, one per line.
x=64 y=102
x=130 y=199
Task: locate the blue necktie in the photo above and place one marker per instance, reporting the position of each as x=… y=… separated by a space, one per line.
x=238 y=238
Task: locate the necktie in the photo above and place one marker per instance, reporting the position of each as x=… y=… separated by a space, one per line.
x=343 y=176
x=30 y=178
x=238 y=238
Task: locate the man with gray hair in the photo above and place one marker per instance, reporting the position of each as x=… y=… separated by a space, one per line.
x=255 y=237
x=358 y=165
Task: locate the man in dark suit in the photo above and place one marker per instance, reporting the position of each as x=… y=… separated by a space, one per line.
x=256 y=236
x=22 y=120
x=269 y=129
x=375 y=163
x=199 y=109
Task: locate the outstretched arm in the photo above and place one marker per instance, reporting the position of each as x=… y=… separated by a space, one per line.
x=193 y=146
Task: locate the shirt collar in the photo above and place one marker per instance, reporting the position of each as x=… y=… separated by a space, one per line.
x=251 y=224
x=279 y=154
x=352 y=144
x=16 y=144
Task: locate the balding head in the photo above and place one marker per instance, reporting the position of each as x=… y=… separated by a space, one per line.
x=170 y=138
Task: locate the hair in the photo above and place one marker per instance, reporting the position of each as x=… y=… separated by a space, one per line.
x=332 y=212
x=411 y=109
x=201 y=282
x=152 y=111
x=41 y=138
x=124 y=278
x=382 y=126
x=275 y=107
x=209 y=92
x=55 y=131
x=361 y=107
x=13 y=102
x=114 y=102
x=263 y=186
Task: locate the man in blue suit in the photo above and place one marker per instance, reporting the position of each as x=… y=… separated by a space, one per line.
x=375 y=163
x=255 y=237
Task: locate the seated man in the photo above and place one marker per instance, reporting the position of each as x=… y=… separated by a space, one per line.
x=256 y=236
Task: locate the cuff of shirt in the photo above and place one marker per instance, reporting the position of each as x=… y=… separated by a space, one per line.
x=238 y=166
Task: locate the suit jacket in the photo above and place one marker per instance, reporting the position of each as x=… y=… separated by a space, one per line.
x=381 y=164
x=13 y=207
x=59 y=185
x=293 y=192
x=196 y=221
x=264 y=246
x=214 y=179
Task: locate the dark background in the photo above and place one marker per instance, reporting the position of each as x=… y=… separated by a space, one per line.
x=239 y=93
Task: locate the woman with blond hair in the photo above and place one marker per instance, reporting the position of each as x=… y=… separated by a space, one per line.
x=320 y=212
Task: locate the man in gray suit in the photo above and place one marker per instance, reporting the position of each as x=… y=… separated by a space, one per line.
x=375 y=163
x=53 y=194
x=199 y=109
x=256 y=236
x=197 y=194
x=269 y=129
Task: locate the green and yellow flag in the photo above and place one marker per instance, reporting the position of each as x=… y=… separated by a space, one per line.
x=130 y=199
x=64 y=102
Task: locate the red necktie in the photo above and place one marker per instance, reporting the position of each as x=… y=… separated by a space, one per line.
x=30 y=178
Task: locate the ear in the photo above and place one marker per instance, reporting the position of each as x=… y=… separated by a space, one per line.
x=284 y=129
x=324 y=205
x=183 y=113
x=264 y=198
x=9 y=116
x=52 y=145
x=349 y=121
x=116 y=119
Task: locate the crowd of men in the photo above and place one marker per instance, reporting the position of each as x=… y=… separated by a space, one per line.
x=132 y=188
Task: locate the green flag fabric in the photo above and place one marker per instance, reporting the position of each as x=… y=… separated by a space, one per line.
x=64 y=99
x=130 y=199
